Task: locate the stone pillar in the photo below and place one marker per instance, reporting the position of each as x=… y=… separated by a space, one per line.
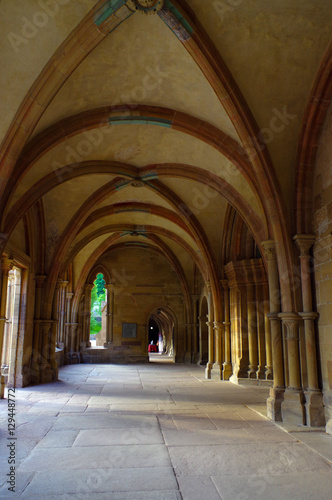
x=195 y=299
x=227 y=365
x=87 y=313
x=268 y=342
x=46 y=372
x=217 y=366
x=202 y=324
x=260 y=331
x=109 y=314
x=67 y=347
x=6 y=266
x=209 y=323
x=54 y=329
x=252 y=331
x=293 y=405
x=277 y=391
x=314 y=405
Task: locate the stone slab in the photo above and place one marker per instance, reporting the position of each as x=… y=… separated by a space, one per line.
x=132 y=436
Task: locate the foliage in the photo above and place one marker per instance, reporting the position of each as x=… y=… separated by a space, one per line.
x=98 y=295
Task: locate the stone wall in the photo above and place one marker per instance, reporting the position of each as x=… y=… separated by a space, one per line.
x=323 y=260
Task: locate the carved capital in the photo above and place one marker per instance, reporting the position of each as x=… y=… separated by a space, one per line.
x=40 y=280
x=304 y=242
x=224 y=284
x=70 y=295
x=291 y=321
x=217 y=325
x=269 y=249
x=308 y=315
x=6 y=265
x=208 y=286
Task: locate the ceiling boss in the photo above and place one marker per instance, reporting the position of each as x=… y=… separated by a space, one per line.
x=146 y=6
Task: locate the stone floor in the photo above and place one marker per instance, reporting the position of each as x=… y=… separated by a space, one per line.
x=157 y=431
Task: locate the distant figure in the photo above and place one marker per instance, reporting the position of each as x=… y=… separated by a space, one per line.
x=152 y=347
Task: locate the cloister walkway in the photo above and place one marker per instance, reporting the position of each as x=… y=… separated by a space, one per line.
x=157 y=432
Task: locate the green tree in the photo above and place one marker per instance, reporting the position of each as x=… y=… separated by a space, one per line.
x=98 y=295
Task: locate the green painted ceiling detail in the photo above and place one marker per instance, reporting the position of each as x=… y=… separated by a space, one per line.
x=108 y=10
x=175 y=21
x=139 y=120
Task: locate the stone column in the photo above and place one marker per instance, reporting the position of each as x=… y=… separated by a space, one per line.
x=202 y=323
x=217 y=366
x=314 y=398
x=109 y=314
x=227 y=365
x=294 y=396
x=277 y=391
x=6 y=266
x=195 y=299
x=252 y=331
x=268 y=343
x=260 y=331
x=209 y=323
x=54 y=329
x=87 y=313
x=46 y=372
x=69 y=297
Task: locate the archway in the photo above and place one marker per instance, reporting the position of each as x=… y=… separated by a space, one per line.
x=162 y=325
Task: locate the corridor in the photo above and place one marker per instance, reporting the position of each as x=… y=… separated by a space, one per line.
x=157 y=431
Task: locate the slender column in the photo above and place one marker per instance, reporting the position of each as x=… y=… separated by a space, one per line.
x=210 y=333
x=6 y=266
x=314 y=399
x=54 y=329
x=252 y=331
x=227 y=365
x=69 y=297
x=195 y=328
x=260 y=331
x=87 y=313
x=109 y=314
x=217 y=366
x=268 y=343
x=277 y=391
x=202 y=324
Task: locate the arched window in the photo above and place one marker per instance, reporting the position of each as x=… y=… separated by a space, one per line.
x=98 y=310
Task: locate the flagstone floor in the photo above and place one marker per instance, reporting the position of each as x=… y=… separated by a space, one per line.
x=155 y=432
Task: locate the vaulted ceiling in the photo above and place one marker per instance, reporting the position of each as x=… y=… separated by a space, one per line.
x=123 y=126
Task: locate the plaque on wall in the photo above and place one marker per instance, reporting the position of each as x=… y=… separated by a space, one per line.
x=129 y=330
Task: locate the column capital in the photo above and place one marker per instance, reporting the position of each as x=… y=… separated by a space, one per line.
x=40 y=279
x=210 y=323
x=70 y=295
x=309 y=315
x=208 y=286
x=217 y=325
x=304 y=242
x=291 y=321
x=6 y=265
x=64 y=283
x=269 y=249
x=273 y=316
x=224 y=284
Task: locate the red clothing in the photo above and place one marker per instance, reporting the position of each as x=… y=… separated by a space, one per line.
x=152 y=348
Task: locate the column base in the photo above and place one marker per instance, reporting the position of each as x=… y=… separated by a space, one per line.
x=216 y=371
x=227 y=371
x=268 y=372
x=194 y=359
x=107 y=345
x=293 y=409
x=46 y=374
x=328 y=428
x=2 y=387
x=314 y=409
x=252 y=372
x=208 y=370
x=274 y=402
x=260 y=373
